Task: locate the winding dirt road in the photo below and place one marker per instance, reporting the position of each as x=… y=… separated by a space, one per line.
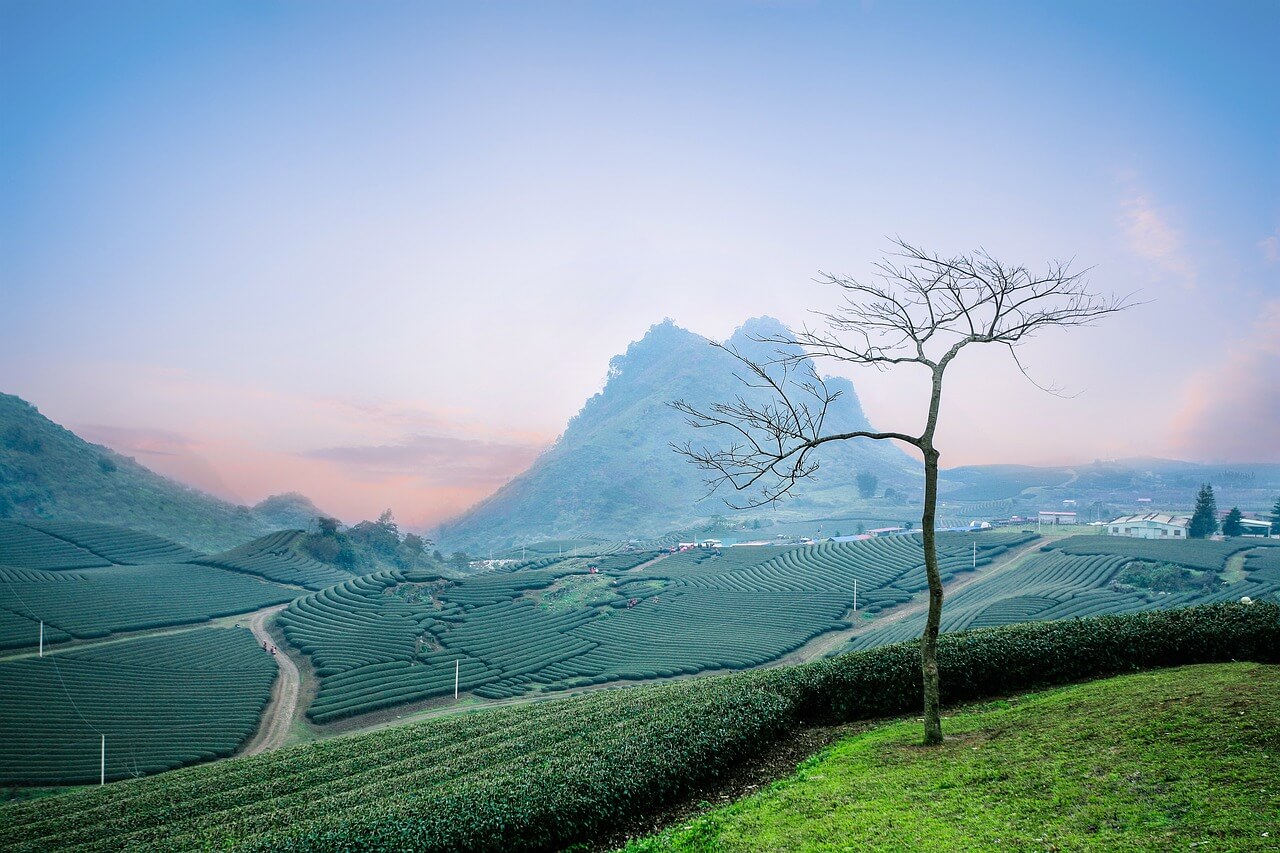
x=277 y=719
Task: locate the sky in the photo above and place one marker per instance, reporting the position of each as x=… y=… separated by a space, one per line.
x=381 y=252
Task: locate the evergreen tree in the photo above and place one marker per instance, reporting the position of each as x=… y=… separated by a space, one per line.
x=1204 y=521
x=1275 y=519
x=867 y=482
x=1231 y=525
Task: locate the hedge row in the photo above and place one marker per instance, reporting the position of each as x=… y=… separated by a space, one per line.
x=541 y=776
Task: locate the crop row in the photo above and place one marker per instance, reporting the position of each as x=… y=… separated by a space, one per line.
x=97 y=602
x=382 y=639
x=1202 y=554
x=118 y=545
x=1059 y=584
x=160 y=701
x=25 y=547
x=276 y=558
x=547 y=775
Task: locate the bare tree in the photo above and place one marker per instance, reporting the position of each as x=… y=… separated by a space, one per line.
x=918 y=309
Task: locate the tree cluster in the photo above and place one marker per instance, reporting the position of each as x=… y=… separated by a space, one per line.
x=367 y=545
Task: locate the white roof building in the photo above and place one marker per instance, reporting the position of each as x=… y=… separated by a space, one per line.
x=1151 y=525
x=1047 y=517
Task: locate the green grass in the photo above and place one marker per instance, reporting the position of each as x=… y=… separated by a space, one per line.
x=1154 y=761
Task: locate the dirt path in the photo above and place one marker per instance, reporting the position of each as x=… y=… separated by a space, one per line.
x=277 y=719
x=647 y=563
x=827 y=643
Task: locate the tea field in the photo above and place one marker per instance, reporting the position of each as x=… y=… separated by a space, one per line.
x=393 y=638
x=545 y=775
x=161 y=702
x=1092 y=575
x=91 y=580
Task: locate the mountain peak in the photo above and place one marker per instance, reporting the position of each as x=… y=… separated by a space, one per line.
x=613 y=472
x=756 y=328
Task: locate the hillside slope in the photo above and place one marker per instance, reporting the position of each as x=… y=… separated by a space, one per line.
x=613 y=472
x=47 y=471
x=1115 y=785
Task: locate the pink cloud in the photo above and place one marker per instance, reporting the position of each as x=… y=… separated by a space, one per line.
x=166 y=452
x=1231 y=411
x=353 y=458
x=1151 y=236
x=435 y=460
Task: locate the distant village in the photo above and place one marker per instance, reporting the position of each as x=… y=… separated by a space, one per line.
x=1142 y=525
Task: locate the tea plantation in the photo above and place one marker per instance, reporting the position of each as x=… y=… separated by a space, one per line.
x=160 y=701
x=545 y=775
x=1086 y=576
x=276 y=558
x=392 y=638
x=91 y=580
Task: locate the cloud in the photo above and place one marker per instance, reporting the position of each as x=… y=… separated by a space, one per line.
x=1150 y=236
x=1231 y=412
x=435 y=460
x=167 y=452
x=1270 y=247
x=152 y=442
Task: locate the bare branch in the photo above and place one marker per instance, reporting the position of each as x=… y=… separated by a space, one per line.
x=919 y=309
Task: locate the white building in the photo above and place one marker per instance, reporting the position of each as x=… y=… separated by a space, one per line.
x=1255 y=527
x=1056 y=517
x=1152 y=525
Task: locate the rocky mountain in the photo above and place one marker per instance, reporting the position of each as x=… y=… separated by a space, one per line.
x=612 y=472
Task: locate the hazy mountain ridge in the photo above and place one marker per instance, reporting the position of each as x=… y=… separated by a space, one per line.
x=612 y=472
x=47 y=471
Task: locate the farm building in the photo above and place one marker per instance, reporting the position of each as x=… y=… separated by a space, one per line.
x=1057 y=517
x=1152 y=525
x=1255 y=527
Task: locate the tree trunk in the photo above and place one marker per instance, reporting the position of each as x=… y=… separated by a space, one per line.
x=929 y=641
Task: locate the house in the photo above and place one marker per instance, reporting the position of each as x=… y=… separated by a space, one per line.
x=1255 y=527
x=1151 y=525
x=1057 y=517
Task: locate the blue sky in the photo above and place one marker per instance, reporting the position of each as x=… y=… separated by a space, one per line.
x=236 y=235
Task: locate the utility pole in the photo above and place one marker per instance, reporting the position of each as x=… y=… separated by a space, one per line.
x=102 y=767
x=975 y=553
x=457 y=668
x=855 y=596
x=41 y=638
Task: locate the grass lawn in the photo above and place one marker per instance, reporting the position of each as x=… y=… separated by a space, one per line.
x=1186 y=758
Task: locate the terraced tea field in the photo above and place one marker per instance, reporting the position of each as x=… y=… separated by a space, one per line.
x=160 y=701
x=91 y=580
x=394 y=638
x=275 y=558
x=1084 y=576
x=549 y=624
x=545 y=775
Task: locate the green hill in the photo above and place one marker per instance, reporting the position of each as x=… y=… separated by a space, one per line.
x=1166 y=760
x=48 y=472
x=613 y=473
